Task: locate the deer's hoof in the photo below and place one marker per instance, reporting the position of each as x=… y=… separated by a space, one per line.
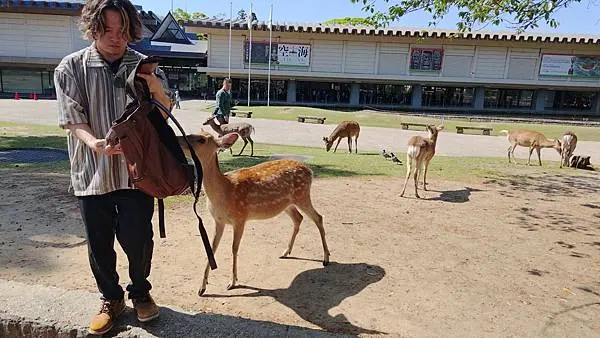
x=284 y=255
x=201 y=292
x=325 y=263
x=231 y=286
x=417 y=196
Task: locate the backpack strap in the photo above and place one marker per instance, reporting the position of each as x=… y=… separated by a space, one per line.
x=196 y=191
x=161 y=218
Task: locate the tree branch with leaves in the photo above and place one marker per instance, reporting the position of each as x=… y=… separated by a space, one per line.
x=519 y=15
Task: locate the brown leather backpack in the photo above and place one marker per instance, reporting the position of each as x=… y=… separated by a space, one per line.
x=155 y=161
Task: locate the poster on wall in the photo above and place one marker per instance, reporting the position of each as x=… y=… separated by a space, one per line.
x=289 y=54
x=429 y=59
x=570 y=65
x=282 y=54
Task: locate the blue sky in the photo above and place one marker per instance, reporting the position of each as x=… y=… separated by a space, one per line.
x=580 y=18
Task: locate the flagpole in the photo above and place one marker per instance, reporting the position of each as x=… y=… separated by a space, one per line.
x=270 y=39
x=230 y=24
x=249 y=50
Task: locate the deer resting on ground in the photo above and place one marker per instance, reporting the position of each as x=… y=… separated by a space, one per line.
x=532 y=140
x=569 y=142
x=243 y=129
x=259 y=192
x=419 y=154
x=347 y=129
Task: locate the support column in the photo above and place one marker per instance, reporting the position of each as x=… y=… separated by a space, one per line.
x=540 y=98
x=355 y=94
x=479 y=99
x=416 y=96
x=291 y=91
x=597 y=103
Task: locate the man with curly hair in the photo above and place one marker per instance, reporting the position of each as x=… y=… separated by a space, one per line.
x=90 y=90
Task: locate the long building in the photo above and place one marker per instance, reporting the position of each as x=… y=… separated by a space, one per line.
x=325 y=65
x=36 y=35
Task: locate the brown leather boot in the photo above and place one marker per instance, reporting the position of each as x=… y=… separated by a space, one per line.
x=109 y=311
x=146 y=309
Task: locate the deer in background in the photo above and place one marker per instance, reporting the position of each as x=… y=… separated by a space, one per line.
x=243 y=129
x=532 y=140
x=347 y=129
x=569 y=142
x=259 y=192
x=419 y=154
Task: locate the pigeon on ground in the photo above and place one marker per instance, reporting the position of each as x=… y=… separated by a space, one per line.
x=395 y=159
x=385 y=155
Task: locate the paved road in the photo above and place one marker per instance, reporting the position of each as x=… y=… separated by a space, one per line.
x=304 y=134
x=45 y=311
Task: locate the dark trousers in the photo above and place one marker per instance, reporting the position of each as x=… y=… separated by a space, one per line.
x=128 y=215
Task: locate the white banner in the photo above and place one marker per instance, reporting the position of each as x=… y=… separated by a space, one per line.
x=289 y=54
x=555 y=65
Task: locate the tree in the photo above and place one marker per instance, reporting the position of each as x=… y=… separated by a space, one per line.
x=348 y=21
x=241 y=15
x=182 y=15
x=519 y=15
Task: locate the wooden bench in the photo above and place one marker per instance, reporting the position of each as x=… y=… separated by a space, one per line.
x=485 y=130
x=317 y=119
x=247 y=114
x=405 y=125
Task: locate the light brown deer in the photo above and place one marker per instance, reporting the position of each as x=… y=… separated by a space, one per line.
x=245 y=130
x=569 y=142
x=532 y=140
x=419 y=154
x=347 y=129
x=259 y=192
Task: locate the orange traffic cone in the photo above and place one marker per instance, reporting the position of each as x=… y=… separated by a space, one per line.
x=17 y=96
x=34 y=96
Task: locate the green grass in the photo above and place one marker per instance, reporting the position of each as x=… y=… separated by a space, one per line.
x=13 y=135
x=389 y=120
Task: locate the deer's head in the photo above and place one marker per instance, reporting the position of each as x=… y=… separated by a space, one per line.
x=557 y=145
x=328 y=143
x=434 y=130
x=205 y=144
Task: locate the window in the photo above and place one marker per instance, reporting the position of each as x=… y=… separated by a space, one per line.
x=509 y=98
x=570 y=100
x=385 y=94
x=258 y=90
x=323 y=92
x=446 y=96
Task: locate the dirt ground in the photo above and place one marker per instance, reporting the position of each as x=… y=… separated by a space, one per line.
x=517 y=256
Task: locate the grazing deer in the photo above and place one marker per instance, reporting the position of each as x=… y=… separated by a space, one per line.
x=243 y=129
x=259 y=192
x=532 y=140
x=419 y=154
x=569 y=142
x=347 y=129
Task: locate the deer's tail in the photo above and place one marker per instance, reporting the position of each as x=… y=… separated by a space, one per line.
x=505 y=132
x=413 y=152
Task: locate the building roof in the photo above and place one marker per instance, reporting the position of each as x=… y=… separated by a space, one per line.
x=398 y=32
x=195 y=50
x=42 y=7
x=170 y=31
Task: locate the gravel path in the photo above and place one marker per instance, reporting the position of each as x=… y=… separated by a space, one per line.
x=306 y=134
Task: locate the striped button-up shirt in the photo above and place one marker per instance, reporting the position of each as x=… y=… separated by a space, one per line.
x=89 y=92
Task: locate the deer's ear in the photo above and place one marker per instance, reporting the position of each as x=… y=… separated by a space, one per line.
x=227 y=140
x=440 y=127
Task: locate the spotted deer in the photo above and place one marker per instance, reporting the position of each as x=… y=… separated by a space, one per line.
x=419 y=154
x=245 y=131
x=259 y=192
x=530 y=139
x=347 y=129
x=569 y=142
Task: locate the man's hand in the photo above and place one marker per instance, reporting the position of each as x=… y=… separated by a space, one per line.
x=102 y=147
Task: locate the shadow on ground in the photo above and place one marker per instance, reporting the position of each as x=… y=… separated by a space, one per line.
x=174 y=324
x=455 y=196
x=313 y=293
